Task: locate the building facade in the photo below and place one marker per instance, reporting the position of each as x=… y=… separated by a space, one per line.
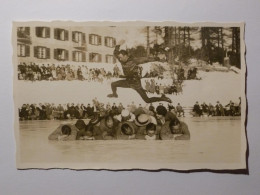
x=64 y=45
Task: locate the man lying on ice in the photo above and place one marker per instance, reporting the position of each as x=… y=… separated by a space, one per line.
x=132 y=76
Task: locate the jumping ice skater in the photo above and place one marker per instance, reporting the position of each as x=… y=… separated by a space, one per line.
x=132 y=76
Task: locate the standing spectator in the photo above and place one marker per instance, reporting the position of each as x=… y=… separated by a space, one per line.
x=152 y=86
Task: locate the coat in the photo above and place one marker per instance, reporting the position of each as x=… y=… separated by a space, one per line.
x=130 y=67
x=166 y=134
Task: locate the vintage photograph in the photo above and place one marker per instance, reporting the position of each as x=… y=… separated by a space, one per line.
x=129 y=95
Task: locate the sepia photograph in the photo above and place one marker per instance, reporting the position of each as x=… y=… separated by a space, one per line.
x=129 y=95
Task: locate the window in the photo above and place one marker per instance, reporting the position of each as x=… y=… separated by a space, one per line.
x=110 y=59
x=43 y=32
x=110 y=41
x=95 y=57
x=78 y=37
x=78 y=56
x=61 y=54
x=94 y=39
x=23 y=50
x=23 y=32
x=41 y=52
x=61 y=34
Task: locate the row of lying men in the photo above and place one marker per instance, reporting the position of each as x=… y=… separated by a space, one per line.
x=126 y=126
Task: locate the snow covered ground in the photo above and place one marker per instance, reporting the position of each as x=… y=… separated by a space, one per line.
x=213 y=86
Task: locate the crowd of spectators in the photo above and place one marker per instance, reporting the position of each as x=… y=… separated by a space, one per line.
x=35 y=72
x=109 y=121
x=121 y=122
x=231 y=109
x=49 y=111
x=181 y=74
x=153 y=87
x=116 y=122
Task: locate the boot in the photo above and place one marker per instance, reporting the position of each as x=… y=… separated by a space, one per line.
x=166 y=99
x=112 y=95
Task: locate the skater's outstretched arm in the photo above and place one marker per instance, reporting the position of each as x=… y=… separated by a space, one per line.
x=143 y=60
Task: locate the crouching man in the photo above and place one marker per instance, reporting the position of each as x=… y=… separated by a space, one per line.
x=175 y=129
x=66 y=132
x=126 y=131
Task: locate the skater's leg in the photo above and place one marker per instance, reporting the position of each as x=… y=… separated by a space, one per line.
x=144 y=96
x=116 y=84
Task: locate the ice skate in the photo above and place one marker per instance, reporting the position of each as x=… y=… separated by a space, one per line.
x=112 y=95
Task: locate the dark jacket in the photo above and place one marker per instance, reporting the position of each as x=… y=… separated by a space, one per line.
x=130 y=67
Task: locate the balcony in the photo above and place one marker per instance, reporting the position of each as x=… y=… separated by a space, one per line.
x=82 y=46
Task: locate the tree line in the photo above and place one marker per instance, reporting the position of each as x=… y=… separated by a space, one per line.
x=213 y=44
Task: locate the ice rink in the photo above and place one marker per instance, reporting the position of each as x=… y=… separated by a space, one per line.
x=215 y=142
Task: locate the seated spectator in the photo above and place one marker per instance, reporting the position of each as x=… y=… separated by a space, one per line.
x=211 y=110
x=170 y=107
x=114 y=110
x=132 y=107
x=204 y=108
x=180 y=110
x=89 y=112
x=196 y=109
x=151 y=108
x=120 y=107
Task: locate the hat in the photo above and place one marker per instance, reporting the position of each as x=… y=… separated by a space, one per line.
x=161 y=110
x=127 y=124
x=94 y=120
x=80 y=124
x=142 y=120
x=66 y=130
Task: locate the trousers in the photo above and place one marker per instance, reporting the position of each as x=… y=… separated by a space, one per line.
x=137 y=86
